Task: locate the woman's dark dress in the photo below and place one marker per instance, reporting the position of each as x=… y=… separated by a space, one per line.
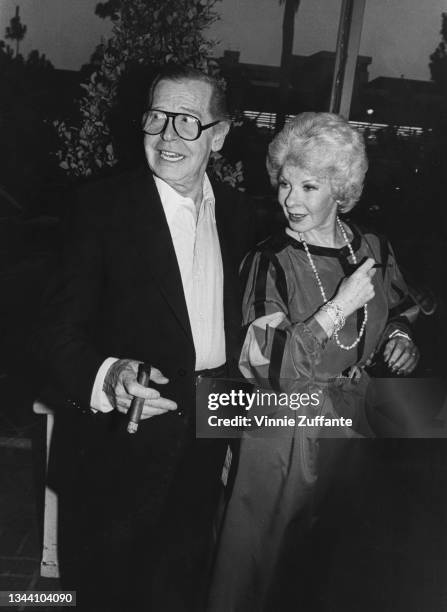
x=277 y=471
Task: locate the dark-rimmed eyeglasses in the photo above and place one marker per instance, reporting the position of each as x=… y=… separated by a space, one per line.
x=185 y=126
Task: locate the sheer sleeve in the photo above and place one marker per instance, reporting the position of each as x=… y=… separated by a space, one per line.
x=277 y=352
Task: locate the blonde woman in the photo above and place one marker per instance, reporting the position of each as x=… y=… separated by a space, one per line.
x=321 y=297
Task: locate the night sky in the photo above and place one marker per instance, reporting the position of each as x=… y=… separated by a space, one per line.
x=398 y=34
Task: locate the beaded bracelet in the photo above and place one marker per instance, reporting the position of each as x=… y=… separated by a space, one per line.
x=335 y=312
x=398 y=333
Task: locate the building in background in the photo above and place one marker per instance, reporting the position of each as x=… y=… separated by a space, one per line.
x=385 y=101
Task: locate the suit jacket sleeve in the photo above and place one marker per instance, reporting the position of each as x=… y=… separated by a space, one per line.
x=63 y=341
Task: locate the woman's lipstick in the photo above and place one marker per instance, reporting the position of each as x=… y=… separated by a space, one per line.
x=296 y=218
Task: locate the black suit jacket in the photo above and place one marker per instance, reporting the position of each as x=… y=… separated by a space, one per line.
x=119 y=293
x=119 y=290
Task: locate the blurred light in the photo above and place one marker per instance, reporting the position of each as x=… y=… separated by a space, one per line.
x=369 y=111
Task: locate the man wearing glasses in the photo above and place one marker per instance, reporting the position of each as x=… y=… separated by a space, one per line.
x=149 y=275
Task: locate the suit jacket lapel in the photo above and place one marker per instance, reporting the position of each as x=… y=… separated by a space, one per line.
x=231 y=289
x=222 y=233
x=154 y=244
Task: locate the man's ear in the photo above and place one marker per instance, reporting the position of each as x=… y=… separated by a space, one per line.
x=220 y=132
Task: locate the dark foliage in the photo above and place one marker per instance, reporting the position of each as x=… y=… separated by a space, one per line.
x=16 y=30
x=438 y=59
x=30 y=97
x=109 y=9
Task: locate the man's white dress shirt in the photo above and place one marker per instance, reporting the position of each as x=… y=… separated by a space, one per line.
x=196 y=245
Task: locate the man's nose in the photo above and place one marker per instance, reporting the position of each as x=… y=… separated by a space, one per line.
x=169 y=133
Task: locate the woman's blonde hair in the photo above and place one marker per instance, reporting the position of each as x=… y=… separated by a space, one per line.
x=326 y=145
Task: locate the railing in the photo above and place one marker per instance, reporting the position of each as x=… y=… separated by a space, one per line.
x=268 y=120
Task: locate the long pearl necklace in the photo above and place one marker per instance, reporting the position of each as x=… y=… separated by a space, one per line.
x=323 y=293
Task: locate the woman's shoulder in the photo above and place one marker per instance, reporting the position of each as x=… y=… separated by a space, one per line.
x=273 y=246
x=273 y=250
x=267 y=253
x=365 y=230
x=372 y=239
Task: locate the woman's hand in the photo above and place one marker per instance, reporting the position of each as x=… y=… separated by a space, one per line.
x=356 y=290
x=401 y=355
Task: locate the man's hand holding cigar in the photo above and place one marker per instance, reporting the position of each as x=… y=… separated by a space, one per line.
x=121 y=386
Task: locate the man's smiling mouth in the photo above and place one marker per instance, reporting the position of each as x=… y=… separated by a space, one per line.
x=171 y=156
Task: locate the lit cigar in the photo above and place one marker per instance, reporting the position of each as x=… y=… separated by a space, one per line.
x=136 y=407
